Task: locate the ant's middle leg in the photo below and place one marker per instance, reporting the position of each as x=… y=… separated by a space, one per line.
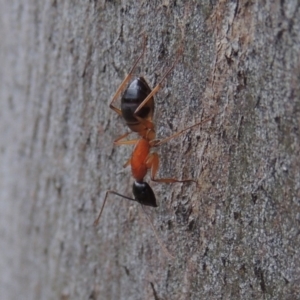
x=119 y=141
x=155 y=143
x=125 y=81
x=152 y=163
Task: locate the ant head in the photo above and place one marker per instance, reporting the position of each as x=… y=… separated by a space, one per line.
x=143 y=193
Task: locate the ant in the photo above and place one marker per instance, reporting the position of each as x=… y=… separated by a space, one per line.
x=137 y=109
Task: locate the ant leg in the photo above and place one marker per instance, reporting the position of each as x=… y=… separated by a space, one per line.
x=125 y=81
x=152 y=163
x=119 y=141
x=96 y=222
x=130 y=142
x=156 y=143
x=159 y=85
x=128 y=162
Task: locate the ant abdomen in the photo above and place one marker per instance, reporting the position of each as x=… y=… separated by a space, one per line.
x=133 y=96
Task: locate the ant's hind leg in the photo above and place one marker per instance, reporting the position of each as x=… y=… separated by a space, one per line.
x=125 y=81
x=159 y=85
x=153 y=163
x=155 y=143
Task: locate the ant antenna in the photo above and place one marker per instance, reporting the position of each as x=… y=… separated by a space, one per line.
x=96 y=222
x=161 y=244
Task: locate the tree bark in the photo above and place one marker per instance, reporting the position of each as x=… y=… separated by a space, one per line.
x=234 y=234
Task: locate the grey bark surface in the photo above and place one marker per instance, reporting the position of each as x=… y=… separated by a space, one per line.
x=234 y=235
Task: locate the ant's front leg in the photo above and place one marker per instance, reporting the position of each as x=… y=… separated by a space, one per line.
x=96 y=222
x=152 y=163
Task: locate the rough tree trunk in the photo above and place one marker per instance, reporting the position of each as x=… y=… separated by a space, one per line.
x=234 y=235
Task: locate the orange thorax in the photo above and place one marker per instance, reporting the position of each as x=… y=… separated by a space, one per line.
x=139 y=158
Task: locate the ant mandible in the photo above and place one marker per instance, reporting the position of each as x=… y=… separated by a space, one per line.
x=137 y=109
